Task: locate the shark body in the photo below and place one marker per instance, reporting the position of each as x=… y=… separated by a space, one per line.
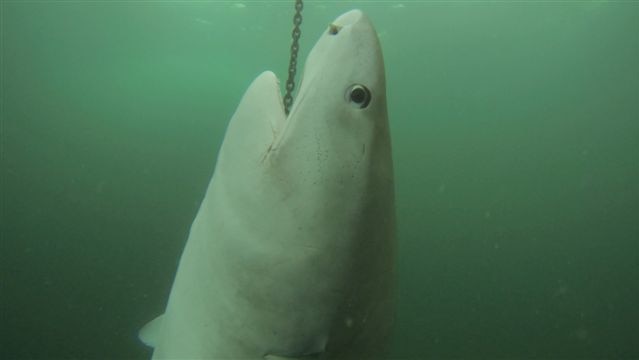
x=291 y=254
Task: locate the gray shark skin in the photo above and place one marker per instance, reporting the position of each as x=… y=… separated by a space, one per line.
x=291 y=255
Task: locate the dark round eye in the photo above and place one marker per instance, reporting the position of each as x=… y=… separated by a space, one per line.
x=358 y=96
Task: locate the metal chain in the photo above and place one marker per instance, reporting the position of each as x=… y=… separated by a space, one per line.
x=292 y=65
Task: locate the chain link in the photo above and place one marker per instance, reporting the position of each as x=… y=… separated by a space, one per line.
x=292 y=64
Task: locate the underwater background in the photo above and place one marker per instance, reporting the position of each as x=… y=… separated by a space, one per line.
x=515 y=129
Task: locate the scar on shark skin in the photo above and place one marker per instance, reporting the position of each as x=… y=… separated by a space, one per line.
x=270 y=147
x=268 y=151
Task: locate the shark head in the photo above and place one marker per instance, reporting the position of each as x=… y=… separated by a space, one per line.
x=291 y=252
x=344 y=84
x=335 y=141
x=339 y=119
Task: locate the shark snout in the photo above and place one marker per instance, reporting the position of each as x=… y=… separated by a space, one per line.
x=348 y=18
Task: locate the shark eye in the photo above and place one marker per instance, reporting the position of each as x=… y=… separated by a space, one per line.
x=358 y=96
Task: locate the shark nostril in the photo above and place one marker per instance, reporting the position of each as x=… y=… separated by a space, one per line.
x=334 y=29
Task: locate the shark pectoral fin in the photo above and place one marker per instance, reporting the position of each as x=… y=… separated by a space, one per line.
x=150 y=332
x=302 y=357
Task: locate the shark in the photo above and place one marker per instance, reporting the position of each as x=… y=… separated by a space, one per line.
x=292 y=252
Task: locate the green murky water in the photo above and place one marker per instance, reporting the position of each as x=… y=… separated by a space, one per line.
x=516 y=145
